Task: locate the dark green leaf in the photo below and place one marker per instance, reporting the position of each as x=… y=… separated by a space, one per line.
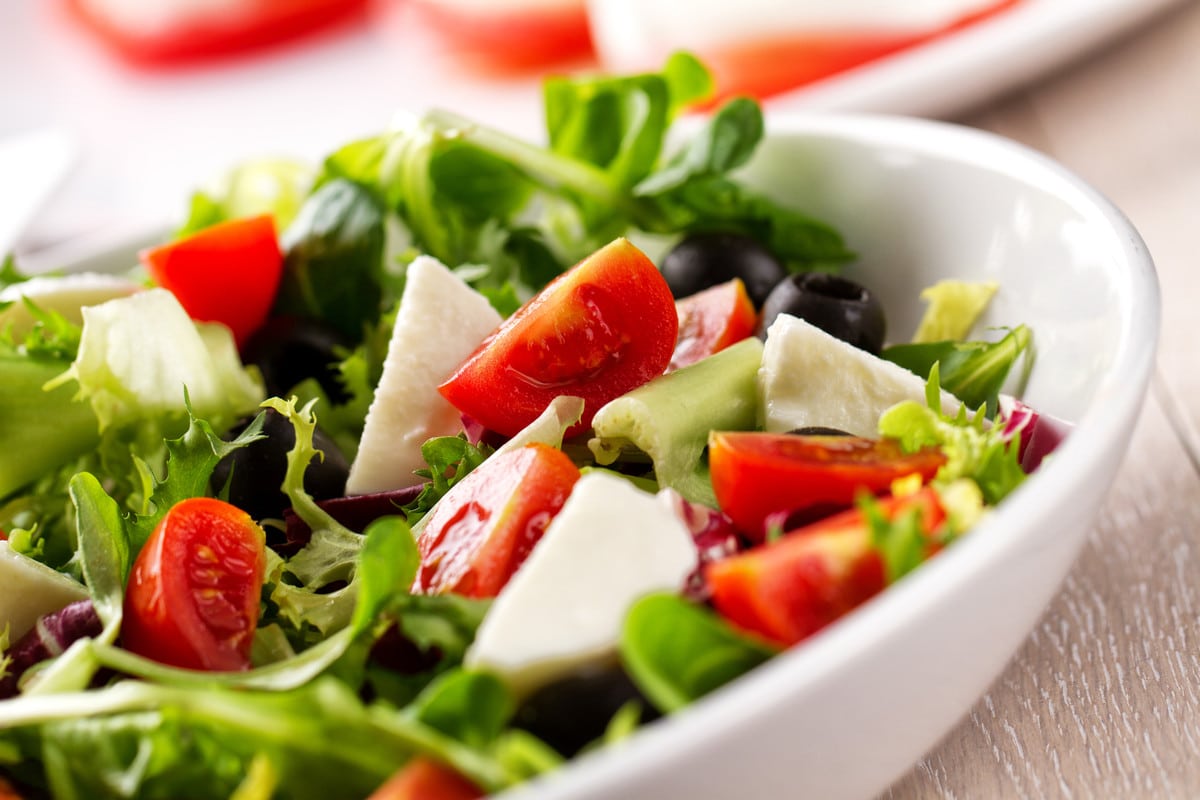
x=974 y=372
x=720 y=203
x=677 y=652
x=617 y=124
x=724 y=143
x=472 y=707
x=479 y=184
x=333 y=262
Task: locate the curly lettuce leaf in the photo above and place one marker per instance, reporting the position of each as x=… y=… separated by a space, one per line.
x=450 y=459
x=973 y=449
x=138 y=353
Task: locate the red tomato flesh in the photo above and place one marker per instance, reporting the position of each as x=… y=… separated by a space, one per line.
x=228 y=273
x=756 y=475
x=791 y=588
x=516 y=37
x=711 y=320
x=425 y=779
x=605 y=327
x=486 y=525
x=193 y=594
x=200 y=34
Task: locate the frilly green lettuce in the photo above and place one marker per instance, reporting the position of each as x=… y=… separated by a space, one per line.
x=137 y=355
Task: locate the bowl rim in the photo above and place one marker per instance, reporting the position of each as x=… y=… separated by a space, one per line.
x=1115 y=404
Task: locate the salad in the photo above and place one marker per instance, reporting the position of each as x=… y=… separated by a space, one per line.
x=422 y=471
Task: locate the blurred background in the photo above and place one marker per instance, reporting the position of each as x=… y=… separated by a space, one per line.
x=133 y=103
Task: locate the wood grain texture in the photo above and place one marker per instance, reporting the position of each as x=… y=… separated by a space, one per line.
x=1103 y=699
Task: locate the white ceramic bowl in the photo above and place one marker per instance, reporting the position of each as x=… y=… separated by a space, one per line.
x=849 y=711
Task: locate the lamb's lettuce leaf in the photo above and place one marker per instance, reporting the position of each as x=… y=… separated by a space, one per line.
x=677 y=652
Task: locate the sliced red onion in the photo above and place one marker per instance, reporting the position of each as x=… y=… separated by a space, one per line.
x=1040 y=433
x=356 y=512
x=49 y=637
x=713 y=534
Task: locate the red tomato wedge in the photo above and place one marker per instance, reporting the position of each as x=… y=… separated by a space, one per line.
x=504 y=35
x=485 y=526
x=193 y=592
x=711 y=320
x=755 y=475
x=189 y=32
x=425 y=779
x=789 y=589
x=228 y=273
x=597 y=331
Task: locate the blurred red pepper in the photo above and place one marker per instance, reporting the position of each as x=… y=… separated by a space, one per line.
x=159 y=32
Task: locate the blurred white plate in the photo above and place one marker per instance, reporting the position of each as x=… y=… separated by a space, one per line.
x=949 y=75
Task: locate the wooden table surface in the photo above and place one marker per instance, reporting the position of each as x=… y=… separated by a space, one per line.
x=1103 y=699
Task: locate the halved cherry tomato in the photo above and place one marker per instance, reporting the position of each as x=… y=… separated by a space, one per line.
x=228 y=273
x=504 y=35
x=711 y=320
x=755 y=475
x=791 y=588
x=485 y=526
x=605 y=327
x=191 y=31
x=193 y=593
x=425 y=779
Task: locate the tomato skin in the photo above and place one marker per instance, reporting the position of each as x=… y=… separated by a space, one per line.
x=423 y=778
x=227 y=273
x=711 y=320
x=486 y=525
x=604 y=327
x=192 y=600
x=493 y=37
x=755 y=475
x=207 y=34
x=793 y=587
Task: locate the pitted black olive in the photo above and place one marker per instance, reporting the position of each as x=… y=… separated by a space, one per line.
x=255 y=472
x=288 y=350
x=573 y=711
x=818 y=430
x=836 y=305
x=706 y=259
